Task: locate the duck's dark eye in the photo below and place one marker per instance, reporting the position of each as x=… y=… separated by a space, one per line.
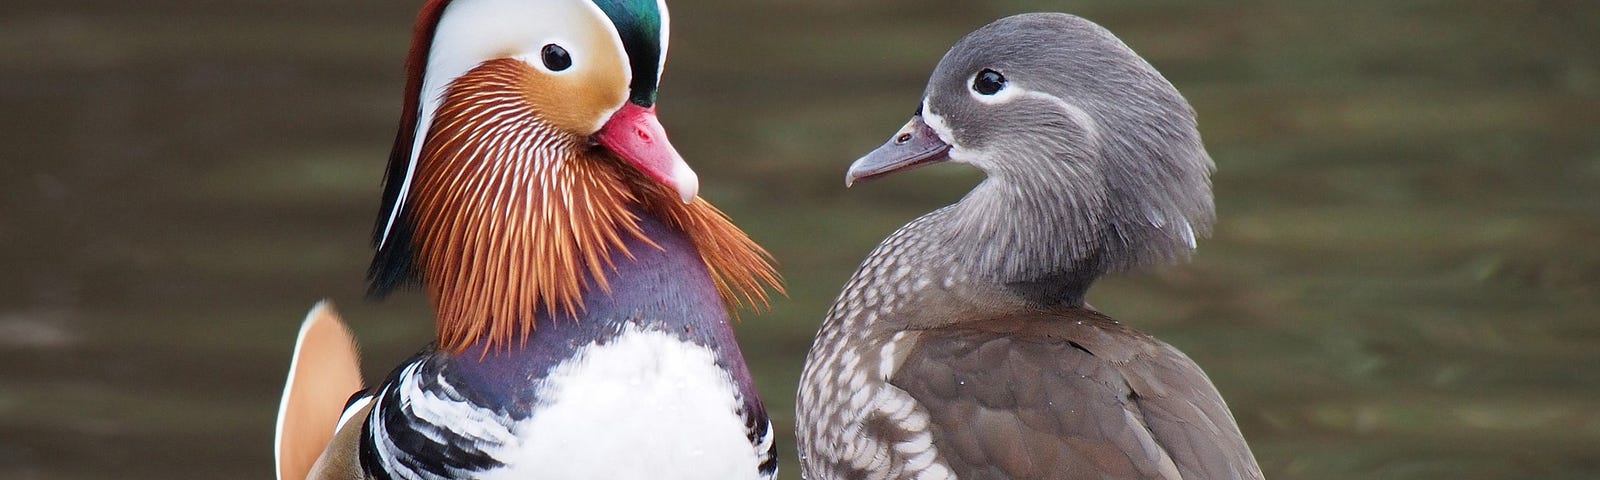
x=988 y=82
x=555 y=58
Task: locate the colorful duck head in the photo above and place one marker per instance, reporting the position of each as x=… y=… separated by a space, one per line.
x=528 y=147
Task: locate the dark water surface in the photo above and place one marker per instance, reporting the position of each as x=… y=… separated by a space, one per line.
x=1403 y=283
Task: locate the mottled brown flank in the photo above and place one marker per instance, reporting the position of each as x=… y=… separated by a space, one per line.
x=513 y=215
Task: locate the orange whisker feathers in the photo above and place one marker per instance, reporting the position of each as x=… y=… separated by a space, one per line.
x=514 y=216
x=741 y=269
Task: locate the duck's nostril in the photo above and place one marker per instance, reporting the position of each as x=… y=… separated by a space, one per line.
x=902 y=139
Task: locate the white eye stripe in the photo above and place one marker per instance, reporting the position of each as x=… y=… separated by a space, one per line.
x=473 y=31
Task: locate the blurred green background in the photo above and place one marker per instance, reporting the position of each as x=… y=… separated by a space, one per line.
x=1403 y=283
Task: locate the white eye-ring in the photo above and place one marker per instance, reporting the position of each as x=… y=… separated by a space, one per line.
x=988 y=82
x=991 y=87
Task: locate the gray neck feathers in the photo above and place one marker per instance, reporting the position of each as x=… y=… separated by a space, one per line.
x=1112 y=181
x=1095 y=164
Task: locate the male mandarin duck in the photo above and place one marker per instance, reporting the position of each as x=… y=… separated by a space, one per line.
x=582 y=292
x=963 y=348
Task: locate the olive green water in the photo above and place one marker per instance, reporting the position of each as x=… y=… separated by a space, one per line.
x=1404 y=282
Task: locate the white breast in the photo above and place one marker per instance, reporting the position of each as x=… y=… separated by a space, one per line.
x=644 y=405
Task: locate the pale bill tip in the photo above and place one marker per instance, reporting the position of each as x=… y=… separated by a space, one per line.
x=685 y=181
x=852 y=173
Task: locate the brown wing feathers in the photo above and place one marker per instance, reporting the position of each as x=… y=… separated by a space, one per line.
x=1068 y=397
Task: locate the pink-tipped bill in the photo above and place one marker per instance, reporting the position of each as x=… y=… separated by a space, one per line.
x=635 y=134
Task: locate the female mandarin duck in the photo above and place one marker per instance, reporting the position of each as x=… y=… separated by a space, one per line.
x=963 y=348
x=581 y=290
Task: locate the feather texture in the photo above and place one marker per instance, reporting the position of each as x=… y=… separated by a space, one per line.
x=512 y=216
x=963 y=346
x=324 y=370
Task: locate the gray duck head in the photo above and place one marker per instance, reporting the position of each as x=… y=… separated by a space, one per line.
x=1093 y=160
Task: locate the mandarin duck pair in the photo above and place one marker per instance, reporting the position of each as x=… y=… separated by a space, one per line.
x=582 y=291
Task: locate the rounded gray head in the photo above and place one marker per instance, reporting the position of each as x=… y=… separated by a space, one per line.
x=1094 y=163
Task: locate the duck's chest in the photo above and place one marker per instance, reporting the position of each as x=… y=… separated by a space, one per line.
x=647 y=382
x=643 y=405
